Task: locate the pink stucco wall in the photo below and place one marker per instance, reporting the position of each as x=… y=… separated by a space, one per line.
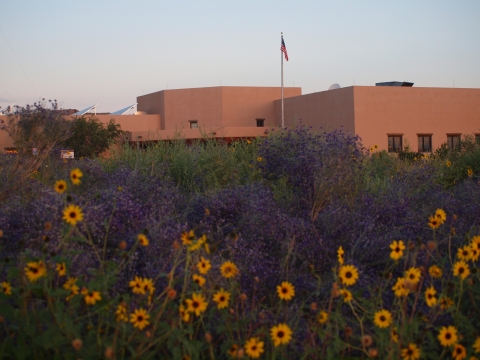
x=214 y=107
x=382 y=110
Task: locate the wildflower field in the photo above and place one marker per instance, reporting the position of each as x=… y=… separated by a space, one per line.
x=294 y=246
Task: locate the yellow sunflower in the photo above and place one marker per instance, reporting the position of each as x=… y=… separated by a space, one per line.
x=137 y=285
x=340 y=253
x=75 y=176
x=459 y=352
x=411 y=352
x=445 y=302
x=286 y=291
x=475 y=253
x=6 y=288
x=187 y=237
x=435 y=272
x=348 y=274
x=469 y=172
x=197 y=244
x=461 y=269
x=347 y=295
x=448 y=163
x=281 y=334
x=448 y=336
x=60 y=186
x=203 y=266
x=184 y=314
x=464 y=253
x=143 y=240
x=400 y=289
x=322 y=317
x=254 y=347
x=139 y=318
x=199 y=279
x=92 y=297
x=475 y=242
x=61 y=269
x=441 y=215
x=197 y=304
x=72 y=214
x=148 y=285
x=394 y=335
x=234 y=349
x=397 y=249
x=413 y=275
x=222 y=298
x=433 y=222
x=259 y=159
x=430 y=298
x=476 y=345
x=35 y=270
x=383 y=318
x=228 y=269
x=121 y=314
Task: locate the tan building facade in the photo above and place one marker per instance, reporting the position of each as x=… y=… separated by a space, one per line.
x=390 y=117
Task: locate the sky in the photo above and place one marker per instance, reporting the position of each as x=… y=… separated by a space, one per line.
x=109 y=52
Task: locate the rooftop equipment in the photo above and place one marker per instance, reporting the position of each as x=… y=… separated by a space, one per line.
x=395 y=83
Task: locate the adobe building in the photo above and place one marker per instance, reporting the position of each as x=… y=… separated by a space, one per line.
x=389 y=115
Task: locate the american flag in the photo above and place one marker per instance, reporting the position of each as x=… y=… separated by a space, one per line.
x=284 y=49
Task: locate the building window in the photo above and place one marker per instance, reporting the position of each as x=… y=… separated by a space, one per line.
x=477 y=139
x=424 y=143
x=260 y=122
x=453 y=141
x=394 y=143
x=193 y=124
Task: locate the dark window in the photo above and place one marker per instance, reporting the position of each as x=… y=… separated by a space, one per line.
x=477 y=139
x=260 y=122
x=453 y=142
x=394 y=143
x=193 y=124
x=424 y=143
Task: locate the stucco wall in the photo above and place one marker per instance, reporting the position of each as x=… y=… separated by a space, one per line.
x=383 y=110
x=243 y=105
x=5 y=139
x=329 y=109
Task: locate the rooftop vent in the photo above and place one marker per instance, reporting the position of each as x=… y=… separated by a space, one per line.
x=395 y=83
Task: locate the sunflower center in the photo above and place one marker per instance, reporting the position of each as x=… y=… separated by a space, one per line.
x=429 y=296
x=284 y=290
x=139 y=318
x=448 y=336
x=458 y=350
x=382 y=318
x=461 y=270
x=195 y=304
x=34 y=270
x=280 y=334
x=397 y=249
x=222 y=298
x=72 y=214
x=348 y=274
x=254 y=347
x=409 y=352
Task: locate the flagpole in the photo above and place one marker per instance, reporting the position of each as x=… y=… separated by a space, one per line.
x=281 y=56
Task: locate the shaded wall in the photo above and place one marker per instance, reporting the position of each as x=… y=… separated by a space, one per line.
x=331 y=109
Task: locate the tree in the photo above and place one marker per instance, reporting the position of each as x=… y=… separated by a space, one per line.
x=90 y=137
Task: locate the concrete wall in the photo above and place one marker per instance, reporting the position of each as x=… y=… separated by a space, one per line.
x=329 y=109
x=383 y=110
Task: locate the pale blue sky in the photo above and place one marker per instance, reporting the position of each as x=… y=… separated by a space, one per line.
x=110 y=52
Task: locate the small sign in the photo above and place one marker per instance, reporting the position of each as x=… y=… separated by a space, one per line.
x=67 y=154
